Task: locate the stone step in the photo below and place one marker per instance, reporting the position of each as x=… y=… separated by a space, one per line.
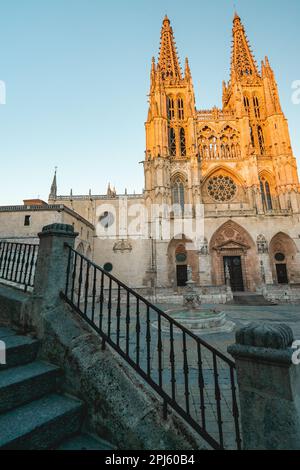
x=85 y=442
x=250 y=300
x=20 y=350
x=22 y=384
x=42 y=424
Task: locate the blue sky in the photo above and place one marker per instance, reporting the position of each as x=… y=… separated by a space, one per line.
x=77 y=78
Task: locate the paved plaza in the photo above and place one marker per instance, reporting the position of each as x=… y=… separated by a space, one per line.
x=243 y=315
x=185 y=372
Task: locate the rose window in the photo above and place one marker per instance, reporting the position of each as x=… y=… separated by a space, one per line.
x=222 y=188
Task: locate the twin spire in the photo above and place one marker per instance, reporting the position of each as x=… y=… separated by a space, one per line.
x=243 y=64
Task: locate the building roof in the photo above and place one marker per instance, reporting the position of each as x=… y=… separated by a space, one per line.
x=47 y=207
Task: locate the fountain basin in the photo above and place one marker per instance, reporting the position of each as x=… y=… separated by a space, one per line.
x=201 y=321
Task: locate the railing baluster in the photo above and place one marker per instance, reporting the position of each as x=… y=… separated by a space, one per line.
x=172 y=361
x=2 y=249
x=74 y=278
x=26 y=266
x=23 y=264
x=7 y=262
x=160 y=352
x=201 y=385
x=127 y=323
x=118 y=314
x=109 y=307
x=4 y=260
x=148 y=341
x=235 y=409
x=68 y=269
x=94 y=293
x=80 y=278
x=101 y=300
x=31 y=266
x=218 y=400
x=186 y=374
x=86 y=291
x=13 y=262
x=138 y=332
x=18 y=262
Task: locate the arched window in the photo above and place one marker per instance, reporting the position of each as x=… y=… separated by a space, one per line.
x=172 y=142
x=170 y=108
x=178 y=193
x=256 y=107
x=246 y=104
x=266 y=194
x=252 y=136
x=182 y=142
x=180 y=109
x=261 y=139
x=263 y=194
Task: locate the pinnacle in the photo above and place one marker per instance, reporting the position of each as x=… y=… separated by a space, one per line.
x=236 y=16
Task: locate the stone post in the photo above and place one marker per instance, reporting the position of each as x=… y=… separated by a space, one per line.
x=51 y=270
x=269 y=387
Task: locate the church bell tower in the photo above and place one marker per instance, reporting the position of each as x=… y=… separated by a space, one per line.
x=172 y=169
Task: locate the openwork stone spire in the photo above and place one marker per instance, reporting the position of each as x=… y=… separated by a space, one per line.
x=53 y=190
x=243 y=65
x=168 y=59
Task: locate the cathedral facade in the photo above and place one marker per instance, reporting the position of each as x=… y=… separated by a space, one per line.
x=231 y=167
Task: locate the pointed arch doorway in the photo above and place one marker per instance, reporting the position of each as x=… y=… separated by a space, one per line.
x=233 y=254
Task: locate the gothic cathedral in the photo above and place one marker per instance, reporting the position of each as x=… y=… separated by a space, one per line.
x=235 y=161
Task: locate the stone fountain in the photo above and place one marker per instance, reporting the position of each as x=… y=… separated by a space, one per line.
x=196 y=318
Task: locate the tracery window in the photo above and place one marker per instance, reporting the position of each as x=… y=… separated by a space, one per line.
x=222 y=188
x=172 y=142
x=246 y=104
x=256 y=107
x=182 y=142
x=180 y=109
x=266 y=195
x=261 y=139
x=171 y=108
x=178 y=193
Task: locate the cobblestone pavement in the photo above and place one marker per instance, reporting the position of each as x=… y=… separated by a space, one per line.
x=185 y=372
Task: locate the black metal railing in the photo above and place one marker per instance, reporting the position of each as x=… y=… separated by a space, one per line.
x=190 y=375
x=17 y=263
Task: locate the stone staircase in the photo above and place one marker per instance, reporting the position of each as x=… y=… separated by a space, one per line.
x=249 y=299
x=34 y=414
